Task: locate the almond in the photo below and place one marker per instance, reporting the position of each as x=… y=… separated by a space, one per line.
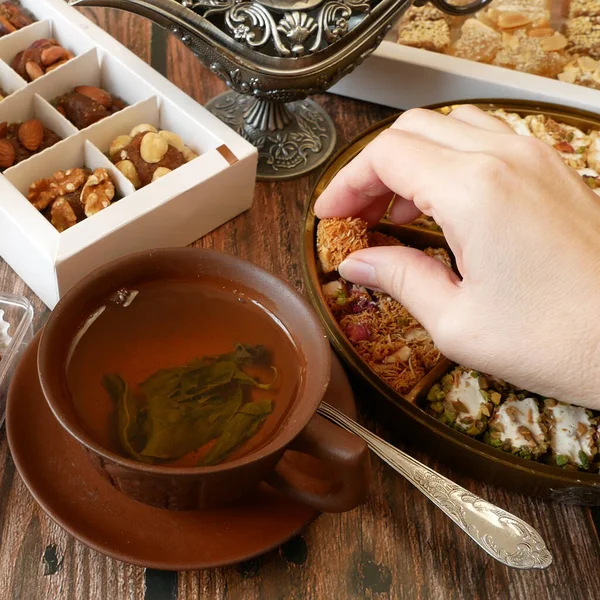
x=510 y=20
x=567 y=76
x=6 y=26
x=31 y=134
x=153 y=148
x=587 y=64
x=554 y=43
x=3 y=129
x=51 y=55
x=7 y=154
x=34 y=71
x=60 y=63
x=100 y=96
x=541 y=32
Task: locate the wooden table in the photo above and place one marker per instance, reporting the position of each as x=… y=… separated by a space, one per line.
x=398 y=545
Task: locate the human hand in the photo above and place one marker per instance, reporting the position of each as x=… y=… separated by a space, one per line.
x=525 y=231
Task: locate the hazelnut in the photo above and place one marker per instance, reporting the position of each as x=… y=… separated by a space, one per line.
x=189 y=155
x=153 y=148
x=128 y=169
x=160 y=172
x=173 y=139
x=142 y=129
x=119 y=144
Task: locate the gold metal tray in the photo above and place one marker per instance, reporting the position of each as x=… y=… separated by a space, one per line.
x=463 y=452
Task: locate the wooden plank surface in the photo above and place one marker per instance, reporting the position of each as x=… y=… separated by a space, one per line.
x=396 y=546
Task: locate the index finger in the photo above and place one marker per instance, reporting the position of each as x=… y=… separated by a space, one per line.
x=396 y=161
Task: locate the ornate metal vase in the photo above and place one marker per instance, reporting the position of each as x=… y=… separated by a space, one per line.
x=273 y=54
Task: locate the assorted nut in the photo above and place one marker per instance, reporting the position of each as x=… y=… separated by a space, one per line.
x=70 y=196
x=147 y=154
x=43 y=56
x=87 y=105
x=19 y=141
x=12 y=17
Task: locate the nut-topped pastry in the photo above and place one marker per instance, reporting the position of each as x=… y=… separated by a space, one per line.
x=70 y=196
x=147 y=154
x=43 y=56
x=19 y=141
x=87 y=105
x=517 y=427
x=12 y=18
x=583 y=35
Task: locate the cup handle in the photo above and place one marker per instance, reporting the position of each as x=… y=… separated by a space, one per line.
x=345 y=454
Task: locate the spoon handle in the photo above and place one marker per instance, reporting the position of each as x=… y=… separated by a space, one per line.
x=502 y=535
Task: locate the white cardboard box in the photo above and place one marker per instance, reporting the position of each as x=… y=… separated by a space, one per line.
x=176 y=210
x=405 y=77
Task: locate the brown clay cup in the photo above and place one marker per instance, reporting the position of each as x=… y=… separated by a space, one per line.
x=343 y=457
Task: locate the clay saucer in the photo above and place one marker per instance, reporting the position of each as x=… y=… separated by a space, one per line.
x=62 y=480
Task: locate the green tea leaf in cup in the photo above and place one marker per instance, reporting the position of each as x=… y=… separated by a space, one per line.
x=242 y=426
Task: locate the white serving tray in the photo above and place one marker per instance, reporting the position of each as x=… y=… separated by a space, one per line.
x=405 y=77
x=176 y=210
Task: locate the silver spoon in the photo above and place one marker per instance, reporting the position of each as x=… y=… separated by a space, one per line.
x=503 y=536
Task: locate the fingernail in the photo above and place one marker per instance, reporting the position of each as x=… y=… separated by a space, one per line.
x=358 y=272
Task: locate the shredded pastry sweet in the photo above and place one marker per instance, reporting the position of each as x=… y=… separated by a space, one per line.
x=337 y=239
x=583 y=35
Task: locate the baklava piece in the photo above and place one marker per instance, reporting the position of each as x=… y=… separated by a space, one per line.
x=591 y=178
x=462 y=401
x=477 y=42
x=593 y=152
x=583 y=36
x=516 y=122
x=517 y=427
x=572 y=431
x=571 y=143
x=19 y=141
x=87 y=105
x=584 y=8
x=582 y=70
x=428 y=35
x=543 y=56
x=515 y=14
x=337 y=239
x=12 y=18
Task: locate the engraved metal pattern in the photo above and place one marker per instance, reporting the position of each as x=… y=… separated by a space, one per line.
x=502 y=535
x=292 y=138
x=280 y=51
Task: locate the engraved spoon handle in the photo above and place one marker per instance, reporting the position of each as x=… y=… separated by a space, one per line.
x=502 y=535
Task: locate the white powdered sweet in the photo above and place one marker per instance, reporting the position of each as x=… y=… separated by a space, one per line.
x=5 y=338
x=514 y=414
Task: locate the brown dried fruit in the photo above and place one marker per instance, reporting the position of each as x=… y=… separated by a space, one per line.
x=3 y=129
x=31 y=134
x=153 y=148
x=97 y=193
x=51 y=55
x=33 y=70
x=100 y=96
x=7 y=154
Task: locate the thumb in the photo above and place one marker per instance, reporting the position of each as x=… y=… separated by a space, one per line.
x=424 y=285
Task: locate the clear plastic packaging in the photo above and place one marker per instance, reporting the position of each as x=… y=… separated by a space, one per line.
x=16 y=331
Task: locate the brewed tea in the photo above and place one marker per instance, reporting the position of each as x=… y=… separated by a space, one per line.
x=183 y=374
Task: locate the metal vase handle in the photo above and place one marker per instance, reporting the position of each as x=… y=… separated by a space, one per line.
x=460 y=11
